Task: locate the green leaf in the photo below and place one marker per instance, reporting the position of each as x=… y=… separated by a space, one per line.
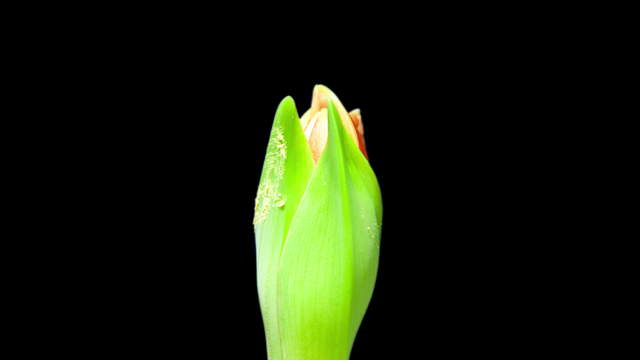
x=286 y=171
x=329 y=262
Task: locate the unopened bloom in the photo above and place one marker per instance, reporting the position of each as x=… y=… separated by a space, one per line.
x=317 y=223
x=314 y=121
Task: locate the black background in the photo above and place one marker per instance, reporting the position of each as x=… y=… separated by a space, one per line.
x=168 y=167
x=141 y=136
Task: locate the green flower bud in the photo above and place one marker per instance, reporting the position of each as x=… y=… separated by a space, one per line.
x=317 y=224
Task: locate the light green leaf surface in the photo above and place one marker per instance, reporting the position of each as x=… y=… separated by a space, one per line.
x=330 y=257
x=285 y=174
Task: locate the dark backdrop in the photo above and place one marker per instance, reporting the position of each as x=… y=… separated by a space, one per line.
x=177 y=140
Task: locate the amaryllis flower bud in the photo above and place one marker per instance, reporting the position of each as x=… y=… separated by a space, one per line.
x=317 y=223
x=314 y=121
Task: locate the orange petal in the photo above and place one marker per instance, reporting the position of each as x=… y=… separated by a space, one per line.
x=321 y=96
x=356 y=119
x=304 y=120
x=317 y=134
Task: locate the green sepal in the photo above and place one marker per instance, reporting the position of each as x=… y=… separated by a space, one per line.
x=329 y=261
x=286 y=171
